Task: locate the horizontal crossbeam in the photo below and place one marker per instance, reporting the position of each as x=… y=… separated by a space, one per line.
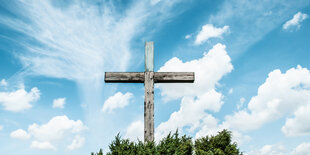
x=174 y=77
x=124 y=77
x=159 y=77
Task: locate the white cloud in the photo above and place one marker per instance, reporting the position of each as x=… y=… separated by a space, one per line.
x=46 y=136
x=188 y=36
x=302 y=149
x=19 y=100
x=82 y=40
x=1 y=127
x=209 y=31
x=231 y=90
x=103 y=41
x=209 y=126
x=154 y=2
x=196 y=97
x=42 y=145
x=240 y=105
x=57 y=128
x=299 y=125
x=59 y=103
x=64 y=53
x=20 y=134
x=118 y=100
x=77 y=142
x=208 y=71
x=238 y=137
x=276 y=149
x=295 y=21
x=3 y=83
x=135 y=131
x=282 y=95
x=249 y=21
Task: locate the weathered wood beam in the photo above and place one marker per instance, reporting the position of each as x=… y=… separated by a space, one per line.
x=149 y=106
x=149 y=56
x=124 y=77
x=174 y=77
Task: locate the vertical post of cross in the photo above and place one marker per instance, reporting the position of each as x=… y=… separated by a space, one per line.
x=149 y=92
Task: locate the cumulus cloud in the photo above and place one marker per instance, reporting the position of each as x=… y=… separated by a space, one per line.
x=281 y=95
x=56 y=128
x=298 y=126
x=20 y=134
x=197 y=97
x=209 y=126
x=3 y=83
x=47 y=135
x=42 y=145
x=295 y=21
x=118 y=100
x=77 y=142
x=302 y=149
x=59 y=103
x=191 y=113
x=19 y=100
x=276 y=149
x=135 y=131
x=209 y=31
x=208 y=71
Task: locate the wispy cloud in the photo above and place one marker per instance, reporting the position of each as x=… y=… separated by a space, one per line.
x=77 y=42
x=248 y=21
x=3 y=82
x=240 y=105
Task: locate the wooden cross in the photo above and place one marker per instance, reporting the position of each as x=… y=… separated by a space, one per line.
x=149 y=77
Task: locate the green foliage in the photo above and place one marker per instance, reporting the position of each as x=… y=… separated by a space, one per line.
x=99 y=153
x=220 y=144
x=173 y=144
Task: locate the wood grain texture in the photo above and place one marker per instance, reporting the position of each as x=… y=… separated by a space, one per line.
x=149 y=56
x=124 y=77
x=149 y=106
x=174 y=77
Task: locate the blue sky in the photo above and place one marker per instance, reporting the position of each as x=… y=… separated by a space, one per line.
x=250 y=58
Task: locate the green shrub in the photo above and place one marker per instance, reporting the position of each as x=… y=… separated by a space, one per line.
x=220 y=144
